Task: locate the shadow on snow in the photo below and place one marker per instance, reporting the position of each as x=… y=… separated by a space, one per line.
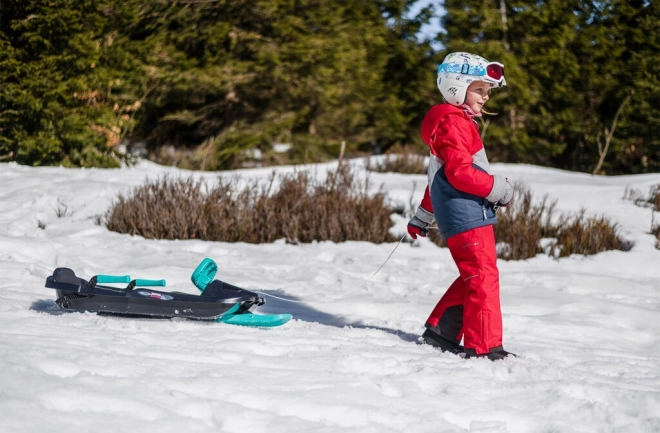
x=299 y=310
x=277 y=302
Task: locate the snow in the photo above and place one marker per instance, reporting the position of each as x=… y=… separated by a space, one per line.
x=587 y=328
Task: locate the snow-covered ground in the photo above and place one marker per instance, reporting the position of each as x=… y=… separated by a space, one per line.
x=587 y=328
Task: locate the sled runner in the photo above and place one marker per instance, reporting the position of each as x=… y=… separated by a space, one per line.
x=219 y=301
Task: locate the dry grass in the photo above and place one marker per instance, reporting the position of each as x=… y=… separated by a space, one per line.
x=301 y=210
x=652 y=200
x=655 y=231
x=400 y=159
x=587 y=235
x=524 y=225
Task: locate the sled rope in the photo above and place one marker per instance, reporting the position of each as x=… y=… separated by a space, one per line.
x=397 y=246
x=388 y=257
x=368 y=279
x=277 y=297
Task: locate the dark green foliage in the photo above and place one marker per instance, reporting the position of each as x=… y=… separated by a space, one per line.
x=239 y=75
x=200 y=82
x=53 y=107
x=570 y=66
x=301 y=210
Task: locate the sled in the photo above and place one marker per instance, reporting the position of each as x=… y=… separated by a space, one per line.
x=219 y=301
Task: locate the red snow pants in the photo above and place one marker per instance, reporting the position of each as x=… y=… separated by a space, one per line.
x=470 y=309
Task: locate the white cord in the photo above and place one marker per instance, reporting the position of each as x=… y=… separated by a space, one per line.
x=388 y=258
x=372 y=275
x=276 y=297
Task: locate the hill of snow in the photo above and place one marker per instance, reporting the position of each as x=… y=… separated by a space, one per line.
x=587 y=328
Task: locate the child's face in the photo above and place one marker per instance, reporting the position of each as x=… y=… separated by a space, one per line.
x=477 y=95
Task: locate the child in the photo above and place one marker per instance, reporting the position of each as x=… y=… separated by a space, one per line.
x=462 y=197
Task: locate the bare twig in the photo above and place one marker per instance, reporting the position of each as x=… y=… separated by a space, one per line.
x=609 y=135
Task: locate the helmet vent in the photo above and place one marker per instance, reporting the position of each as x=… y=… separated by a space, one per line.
x=452 y=90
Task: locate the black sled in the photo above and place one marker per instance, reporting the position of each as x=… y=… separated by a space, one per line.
x=219 y=301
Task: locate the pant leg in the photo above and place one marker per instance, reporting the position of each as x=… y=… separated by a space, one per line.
x=476 y=257
x=447 y=316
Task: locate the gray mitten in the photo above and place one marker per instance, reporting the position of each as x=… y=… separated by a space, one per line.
x=508 y=195
x=499 y=190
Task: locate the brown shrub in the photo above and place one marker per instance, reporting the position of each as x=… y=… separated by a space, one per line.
x=400 y=159
x=523 y=225
x=434 y=236
x=582 y=235
x=655 y=231
x=654 y=197
x=652 y=201
x=301 y=210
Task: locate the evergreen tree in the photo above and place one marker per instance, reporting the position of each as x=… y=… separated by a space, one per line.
x=234 y=76
x=570 y=66
x=221 y=77
x=52 y=104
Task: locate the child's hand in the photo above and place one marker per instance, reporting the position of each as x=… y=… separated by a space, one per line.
x=417 y=227
x=502 y=190
x=418 y=224
x=508 y=195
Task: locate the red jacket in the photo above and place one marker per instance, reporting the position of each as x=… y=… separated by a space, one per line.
x=453 y=137
x=459 y=178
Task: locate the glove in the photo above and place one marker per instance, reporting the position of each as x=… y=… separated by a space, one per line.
x=499 y=192
x=508 y=195
x=418 y=224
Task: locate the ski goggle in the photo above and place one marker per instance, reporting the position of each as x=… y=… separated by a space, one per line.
x=493 y=70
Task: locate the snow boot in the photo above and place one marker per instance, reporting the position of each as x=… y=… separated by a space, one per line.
x=495 y=354
x=436 y=340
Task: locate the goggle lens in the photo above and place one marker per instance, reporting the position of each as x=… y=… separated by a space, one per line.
x=494 y=71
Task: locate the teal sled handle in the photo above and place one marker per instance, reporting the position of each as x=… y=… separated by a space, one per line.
x=113 y=279
x=149 y=283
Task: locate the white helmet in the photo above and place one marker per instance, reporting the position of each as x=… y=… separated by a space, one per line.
x=458 y=70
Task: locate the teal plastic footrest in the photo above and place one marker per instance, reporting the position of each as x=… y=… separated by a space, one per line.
x=204 y=274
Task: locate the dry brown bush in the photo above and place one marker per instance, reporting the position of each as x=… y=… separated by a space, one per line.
x=587 y=236
x=652 y=201
x=524 y=224
x=301 y=210
x=434 y=236
x=655 y=231
x=400 y=159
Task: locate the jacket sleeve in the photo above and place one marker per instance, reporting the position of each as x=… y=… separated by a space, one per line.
x=426 y=201
x=451 y=144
